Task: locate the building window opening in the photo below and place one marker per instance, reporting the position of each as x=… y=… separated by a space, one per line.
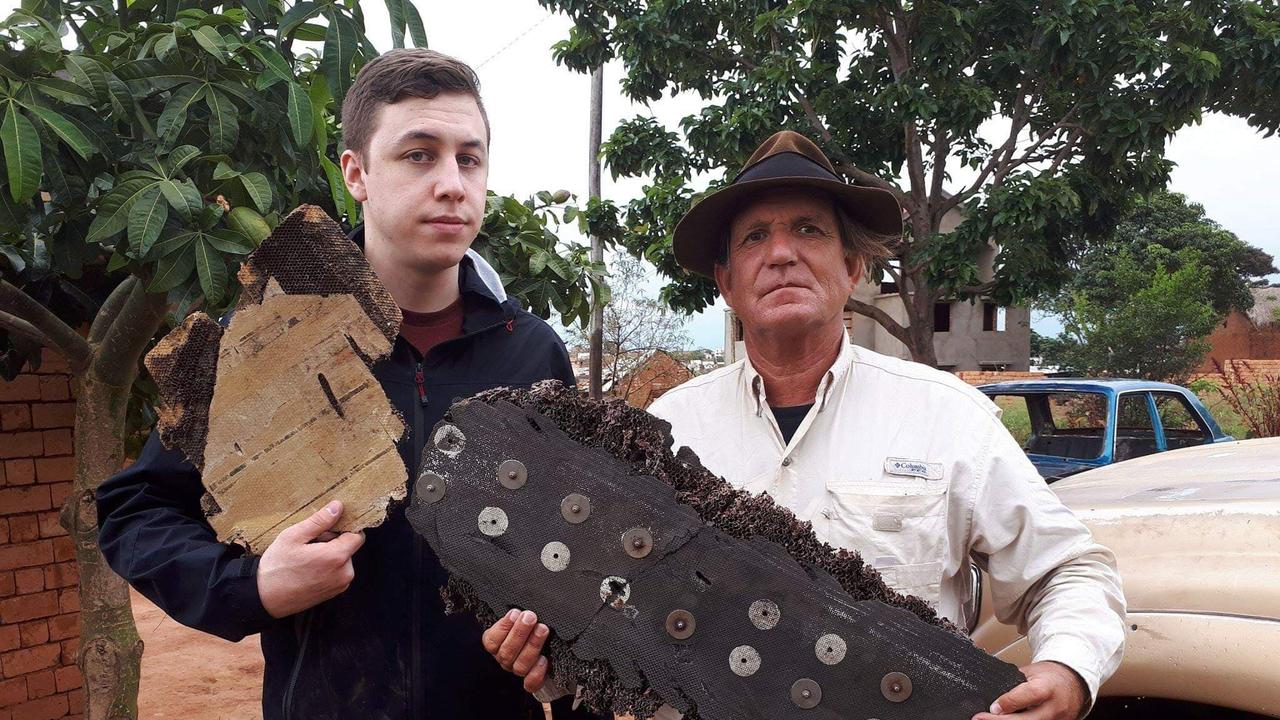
x=942 y=317
x=993 y=317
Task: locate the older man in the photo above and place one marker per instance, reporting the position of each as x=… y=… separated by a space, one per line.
x=900 y=462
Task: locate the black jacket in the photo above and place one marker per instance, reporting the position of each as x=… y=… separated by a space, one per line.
x=384 y=649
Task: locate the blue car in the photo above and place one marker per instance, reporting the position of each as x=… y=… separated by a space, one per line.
x=1069 y=425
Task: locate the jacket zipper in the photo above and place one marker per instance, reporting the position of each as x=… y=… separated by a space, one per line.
x=287 y=703
x=421 y=381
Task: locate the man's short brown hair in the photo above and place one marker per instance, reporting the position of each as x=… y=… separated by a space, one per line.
x=398 y=74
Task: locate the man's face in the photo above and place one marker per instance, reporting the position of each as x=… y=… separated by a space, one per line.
x=422 y=179
x=787 y=268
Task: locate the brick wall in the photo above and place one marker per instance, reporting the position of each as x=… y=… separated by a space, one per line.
x=39 y=599
x=975 y=377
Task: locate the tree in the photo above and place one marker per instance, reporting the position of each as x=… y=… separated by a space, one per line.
x=1151 y=324
x=1081 y=94
x=1157 y=231
x=635 y=325
x=138 y=167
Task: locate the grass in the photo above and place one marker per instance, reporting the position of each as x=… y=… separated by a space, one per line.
x=1015 y=418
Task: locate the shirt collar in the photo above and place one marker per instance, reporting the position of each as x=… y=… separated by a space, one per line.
x=753 y=384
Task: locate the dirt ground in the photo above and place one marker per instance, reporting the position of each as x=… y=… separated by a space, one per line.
x=189 y=675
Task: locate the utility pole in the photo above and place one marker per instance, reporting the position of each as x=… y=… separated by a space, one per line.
x=596 y=363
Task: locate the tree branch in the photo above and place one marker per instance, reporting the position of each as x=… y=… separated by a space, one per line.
x=893 y=327
x=18 y=326
x=110 y=309
x=62 y=336
x=123 y=344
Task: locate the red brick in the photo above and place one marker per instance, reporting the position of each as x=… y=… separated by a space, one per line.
x=29 y=660
x=24 y=528
x=41 y=684
x=50 y=524
x=10 y=639
x=69 y=600
x=53 y=415
x=13 y=692
x=54 y=470
x=64 y=626
x=7 y=584
x=4 y=531
x=58 y=492
x=67 y=678
x=31 y=498
x=26 y=555
x=63 y=549
x=69 y=648
x=23 y=388
x=54 y=387
x=29 y=580
x=61 y=575
x=58 y=442
x=21 y=444
x=20 y=472
x=28 y=607
x=53 y=362
x=35 y=632
x=15 y=416
x=75 y=699
x=47 y=708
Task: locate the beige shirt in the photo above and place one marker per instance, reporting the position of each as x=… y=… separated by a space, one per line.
x=913 y=469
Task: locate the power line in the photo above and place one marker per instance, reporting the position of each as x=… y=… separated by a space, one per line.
x=514 y=40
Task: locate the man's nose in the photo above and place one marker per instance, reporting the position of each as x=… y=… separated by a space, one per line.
x=781 y=249
x=448 y=181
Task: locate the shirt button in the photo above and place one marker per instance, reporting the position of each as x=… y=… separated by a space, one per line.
x=786 y=461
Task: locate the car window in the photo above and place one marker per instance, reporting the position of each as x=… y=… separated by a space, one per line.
x=1135 y=432
x=1058 y=424
x=1182 y=427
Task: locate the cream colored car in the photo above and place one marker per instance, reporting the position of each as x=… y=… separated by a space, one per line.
x=1197 y=536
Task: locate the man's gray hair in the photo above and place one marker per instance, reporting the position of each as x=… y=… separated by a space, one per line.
x=859 y=241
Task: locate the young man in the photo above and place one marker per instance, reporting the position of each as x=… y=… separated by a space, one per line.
x=353 y=626
x=901 y=462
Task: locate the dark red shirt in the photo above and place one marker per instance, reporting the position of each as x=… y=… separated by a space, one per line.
x=426 y=330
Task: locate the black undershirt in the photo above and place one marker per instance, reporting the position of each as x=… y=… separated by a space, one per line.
x=789 y=419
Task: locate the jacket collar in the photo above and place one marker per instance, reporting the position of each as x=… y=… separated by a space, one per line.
x=753 y=385
x=483 y=309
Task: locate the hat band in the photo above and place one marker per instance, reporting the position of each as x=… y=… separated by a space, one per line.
x=783 y=165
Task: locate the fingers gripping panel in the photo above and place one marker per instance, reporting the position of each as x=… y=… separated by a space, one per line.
x=719 y=626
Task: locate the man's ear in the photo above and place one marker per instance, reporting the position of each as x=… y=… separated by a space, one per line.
x=353 y=175
x=721 y=273
x=857 y=267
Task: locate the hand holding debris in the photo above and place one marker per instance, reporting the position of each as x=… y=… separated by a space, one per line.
x=516 y=641
x=297 y=573
x=1052 y=691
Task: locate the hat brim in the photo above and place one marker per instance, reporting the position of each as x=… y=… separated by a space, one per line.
x=699 y=233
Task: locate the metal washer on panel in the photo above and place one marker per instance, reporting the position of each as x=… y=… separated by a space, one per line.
x=681 y=624
x=637 y=542
x=492 y=521
x=430 y=488
x=744 y=661
x=555 y=556
x=764 y=614
x=896 y=687
x=449 y=440
x=512 y=474
x=806 y=693
x=575 y=508
x=830 y=649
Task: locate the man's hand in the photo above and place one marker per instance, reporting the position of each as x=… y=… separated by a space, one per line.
x=303 y=568
x=1052 y=691
x=516 y=641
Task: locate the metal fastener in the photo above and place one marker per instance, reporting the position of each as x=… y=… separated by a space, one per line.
x=744 y=661
x=830 y=649
x=786 y=462
x=681 y=624
x=449 y=440
x=575 y=508
x=431 y=487
x=764 y=614
x=492 y=521
x=806 y=693
x=555 y=556
x=637 y=542
x=512 y=474
x=896 y=687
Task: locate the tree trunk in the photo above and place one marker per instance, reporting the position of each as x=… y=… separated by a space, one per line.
x=110 y=656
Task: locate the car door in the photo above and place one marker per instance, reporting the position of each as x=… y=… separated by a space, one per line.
x=1136 y=431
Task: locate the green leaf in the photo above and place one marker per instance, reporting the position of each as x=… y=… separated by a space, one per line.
x=182 y=155
x=561 y=267
x=319 y=95
x=172 y=271
x=212 y=42
x=60 y=89
x=166 y=44
x=113 y=211
x=416 y=31
x=116 y=262
x=309 y=32
x=87 y=73
x=223 y=171
x=300 y=114
x=212 y=270
x=259 y=189
x=172 y=244
x=337 y=188
x=259 y=9
x=21 y=154
x=121 y=96
x=538 y=262
x=174 y=115
x=295 y=16
x=395 y=11
x=183 y=197
x=340 y=47
x=63 y=128
x=146 y=219
x=276 y=69
x=224 y=129
x=229 y=241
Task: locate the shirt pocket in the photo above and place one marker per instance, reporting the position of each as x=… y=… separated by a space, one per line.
x=890 y=521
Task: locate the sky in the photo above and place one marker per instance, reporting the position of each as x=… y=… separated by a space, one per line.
x=539 y=117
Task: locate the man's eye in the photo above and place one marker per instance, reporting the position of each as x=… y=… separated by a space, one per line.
x=811 y=230
x=418 y=156
x=754 y=236
x=469 y=160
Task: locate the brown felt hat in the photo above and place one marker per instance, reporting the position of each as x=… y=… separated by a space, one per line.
x=786 y=160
